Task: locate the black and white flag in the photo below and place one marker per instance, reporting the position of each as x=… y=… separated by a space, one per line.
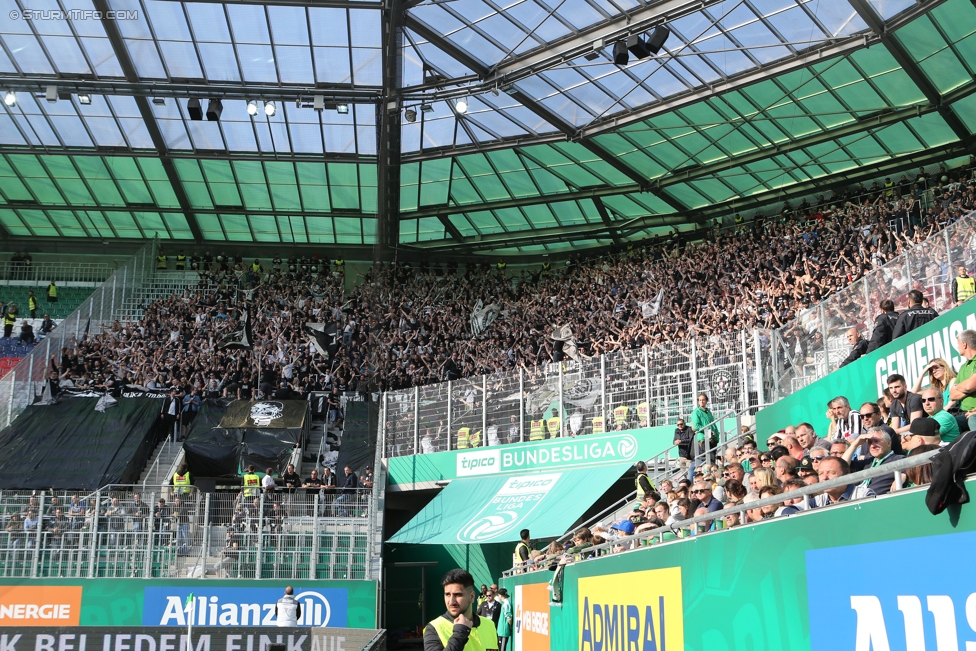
x=482 y=316
x=651 y=309
x=324 y=337
x=240 y=338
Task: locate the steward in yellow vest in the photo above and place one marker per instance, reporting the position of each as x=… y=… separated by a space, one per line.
x=642 y=412
x=52 y=293
x=643 y=483
x=463 y=439
x=32 y=303
x=620 y=415
x=536 y=433
x=963 y=287
x=182 y=481
x=598 y=425
x=252 y=483
x=181 y=262
x=161 y=261
x=475 y=439
x=460 y=628
x=553 y=426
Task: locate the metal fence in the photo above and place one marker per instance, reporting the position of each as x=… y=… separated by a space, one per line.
x=25 y=381
x=154 y=532
x=814 y=344
x=715 y=521
x=36 y=273
x=618 y=391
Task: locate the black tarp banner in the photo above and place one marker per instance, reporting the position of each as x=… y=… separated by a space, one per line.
x=266 y=414
x=214 y=450
x=358 y=448
x=69 y=445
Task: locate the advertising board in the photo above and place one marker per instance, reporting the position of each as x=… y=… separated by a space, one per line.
x=531 y=625
x=551 y=455
x=222 y=603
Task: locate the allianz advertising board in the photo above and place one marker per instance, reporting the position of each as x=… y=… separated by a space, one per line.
x=903 y=595
x=227 y=603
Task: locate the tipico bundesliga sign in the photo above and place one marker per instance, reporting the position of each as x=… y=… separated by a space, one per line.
x=551 y=455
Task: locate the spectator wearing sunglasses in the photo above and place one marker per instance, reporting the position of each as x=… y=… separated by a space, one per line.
x=932 y=405
x=872 y=416
x=702 y=492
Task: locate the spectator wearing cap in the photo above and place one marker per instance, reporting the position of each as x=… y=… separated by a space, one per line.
x=834 y=468
x=932 y=405
x=786 y=469
x=806 y=471
x=924 y=431
x=876 y=452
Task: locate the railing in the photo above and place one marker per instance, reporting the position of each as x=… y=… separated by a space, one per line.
x=24 y=382
x=813 y=344
x=42 y=273
x=623 y=390
x=125 y=531
x=155 y=474
x=714 y=521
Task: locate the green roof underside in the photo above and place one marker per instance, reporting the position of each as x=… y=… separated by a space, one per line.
x=521 y=172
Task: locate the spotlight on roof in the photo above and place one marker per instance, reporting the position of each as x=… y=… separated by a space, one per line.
x=427 y=108
x=620 y=56
x=84 y=99
x=51 y=93
x=214 y=108
x=461 y=106
x=269 y=108
x=252 y=108
x=194 y=109
x=10 y=99
x=342 y=109
x=594 y=54
x=318 y=103
x=159 y=101
x=410 y=114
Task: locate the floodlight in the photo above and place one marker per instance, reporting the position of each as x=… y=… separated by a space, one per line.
x=318 y=103
x=410 y=114
x=461 y=106
x=51 y=93
x=342 y=109
x=427 y=108
x=84 y=99
x=252 y=108
x=269 y=108
x=10 y=99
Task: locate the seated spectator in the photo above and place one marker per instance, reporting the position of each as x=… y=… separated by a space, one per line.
x=775 y=510
x=753 y=514
x=847 y=422
x=919 y=475
x=808 y=439
x=762 y=477
x=804 y=502
x=794 y=448
x=734 y=490
x=785 y=469
x=870 y=450
x=26 y=333
x=905 y=406
x=941 y=377
x=932 y=402
x=924 y=431
x=703 y=492
x=835 y=468
x=732 y=519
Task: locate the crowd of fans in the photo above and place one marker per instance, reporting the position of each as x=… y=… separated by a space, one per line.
x=402 y=326
x=902 y=422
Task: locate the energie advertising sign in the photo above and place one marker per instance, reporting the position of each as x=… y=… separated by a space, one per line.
x=531 y=622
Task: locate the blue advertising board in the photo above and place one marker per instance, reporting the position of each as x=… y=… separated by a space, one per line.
x=239 y=606
x=912 y=594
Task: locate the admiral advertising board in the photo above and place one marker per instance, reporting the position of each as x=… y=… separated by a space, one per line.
x=132 y=602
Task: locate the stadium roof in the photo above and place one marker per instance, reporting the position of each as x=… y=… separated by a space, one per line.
x=559 y=147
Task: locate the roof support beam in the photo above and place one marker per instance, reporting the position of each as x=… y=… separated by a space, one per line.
x=898 y=52
x=705 y=171
x=134 y=87
x=605 y=216
x=544 y=113
x=145 y=110
x=388 y=129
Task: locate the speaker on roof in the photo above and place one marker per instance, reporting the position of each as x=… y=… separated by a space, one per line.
x=194 y=109
x=658 y=37
x=638 y=47
x=620 y=56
